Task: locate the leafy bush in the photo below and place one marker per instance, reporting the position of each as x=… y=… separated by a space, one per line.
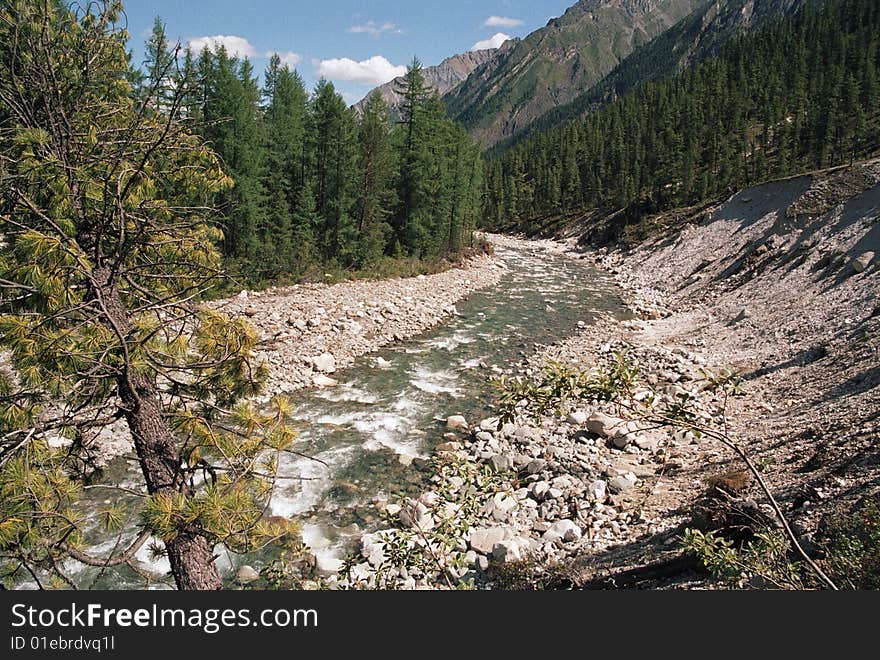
x=560 y=383
x=850 y=545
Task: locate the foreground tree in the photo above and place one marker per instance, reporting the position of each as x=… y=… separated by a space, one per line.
x=106 y=241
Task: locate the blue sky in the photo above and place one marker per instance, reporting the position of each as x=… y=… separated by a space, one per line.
x=357 y=45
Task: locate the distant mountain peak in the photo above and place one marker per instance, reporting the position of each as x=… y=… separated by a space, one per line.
x=444 y=77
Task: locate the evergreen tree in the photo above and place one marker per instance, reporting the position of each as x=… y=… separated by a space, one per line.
x=160 y=68
x=374 y=198
x=102 y=255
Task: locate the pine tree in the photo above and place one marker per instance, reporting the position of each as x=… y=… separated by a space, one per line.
x=103 y=255
x=284 y=133
x=160 y=65
x=413 y=173
x=374 y=198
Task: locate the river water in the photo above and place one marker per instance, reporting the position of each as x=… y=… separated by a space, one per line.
x=388 y=404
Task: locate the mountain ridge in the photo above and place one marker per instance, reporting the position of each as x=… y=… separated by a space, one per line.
x=696 y=37
x=442 y=78
x=554 y=64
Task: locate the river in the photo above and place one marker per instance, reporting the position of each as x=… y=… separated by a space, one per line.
x=358 y=438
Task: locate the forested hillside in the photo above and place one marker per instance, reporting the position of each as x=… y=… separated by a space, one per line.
x=316 y=185
x=698 y=36
x=557 y=63
x=800 y=94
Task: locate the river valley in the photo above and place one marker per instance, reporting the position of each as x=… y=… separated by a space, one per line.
x=358 y=439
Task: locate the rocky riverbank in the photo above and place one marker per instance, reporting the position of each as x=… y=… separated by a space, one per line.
x=539 y=491
x=776 y=285
x=309 y=331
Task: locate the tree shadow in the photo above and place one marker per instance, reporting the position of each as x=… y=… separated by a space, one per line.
x=754 y=204
x=805 y=357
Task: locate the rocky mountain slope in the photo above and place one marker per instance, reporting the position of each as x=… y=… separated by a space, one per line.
x=555 y=64
x=445 y=77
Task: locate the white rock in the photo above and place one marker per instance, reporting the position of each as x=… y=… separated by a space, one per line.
x=246 y=574
x=604 y=425
x=622 y=483
x=551 y=537
x=325 y=566
x=860 y=264
x=621 y=439
x=597 y=490
x=536 y=466
x=325 y=363
x=382 y=363
x=567 y=530
x=500 y=463
x=577 y=418
x=483 y=540
x=456 y=422
x=324 y=381
x=508 y=550
x=539 y=489
x=489 y=424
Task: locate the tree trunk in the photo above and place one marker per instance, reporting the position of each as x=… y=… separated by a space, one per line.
x=189 y=553
x=192 y=562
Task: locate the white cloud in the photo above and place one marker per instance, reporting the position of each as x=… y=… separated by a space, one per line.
x=235 y=46
x=374 y=29
x=502 y=21
x=493 y=42
x=373 y=71
x=290 y=58
x=240 y=47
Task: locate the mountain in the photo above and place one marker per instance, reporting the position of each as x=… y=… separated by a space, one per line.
x=555 y=64
x=696 y=37
x=446 y=76
x=798 y=94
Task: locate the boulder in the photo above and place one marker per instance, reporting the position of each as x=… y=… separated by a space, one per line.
x=577 y=418
x=500 y=463
x=489 y=424
x=500 y=506
x=622 y=483
x=325 y=566
x=506 y=551
x=246 y=574
x=324 y=381
x=324 y=363
x=567 y=530
x=456 y=422
x=604 y=425
x=483 y=540
x=447 y=447
x=597 y=490
x=622 y=438
x=860 y=264
x=536 y=466
x=539 y=489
